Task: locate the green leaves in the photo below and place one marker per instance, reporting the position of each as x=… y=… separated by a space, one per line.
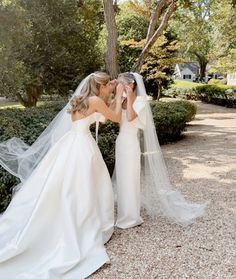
x=210 y=93
x=47 y=44
x=207 y=32
x=169 y=118
x=133 y=21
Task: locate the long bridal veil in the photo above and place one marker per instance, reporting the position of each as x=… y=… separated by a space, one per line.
x=20 y=159
x=158 y=196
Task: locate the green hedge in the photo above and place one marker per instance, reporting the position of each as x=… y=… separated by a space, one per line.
x=217 y=95
x=182 y=93
x=170 y=119
x=213 y=94
x=214 y=81
x=26 y=124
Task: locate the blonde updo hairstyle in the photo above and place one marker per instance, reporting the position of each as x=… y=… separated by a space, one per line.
x=91 y=88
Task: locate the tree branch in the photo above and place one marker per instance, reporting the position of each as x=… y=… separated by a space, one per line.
x=154 y=18
x=170 y=10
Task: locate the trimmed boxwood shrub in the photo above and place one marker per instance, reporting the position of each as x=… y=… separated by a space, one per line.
x=217 y=95
x=208 y=93
x=182 y=93
x=169 y=117
x=217 y=81
x=26 y=124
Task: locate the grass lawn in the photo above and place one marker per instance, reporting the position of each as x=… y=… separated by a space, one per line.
x=226 y=86
x=10 y=105
x=190 y=84
x=185 y=84
x=166 y=99
x=5 y=105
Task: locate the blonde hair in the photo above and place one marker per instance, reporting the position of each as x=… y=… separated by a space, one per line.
x=91 y=88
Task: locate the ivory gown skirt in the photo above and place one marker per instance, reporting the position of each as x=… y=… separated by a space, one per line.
x=58 y=222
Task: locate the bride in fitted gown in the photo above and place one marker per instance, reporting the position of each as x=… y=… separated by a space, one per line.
x=128 y=163
x=62 y=214
x=141 y=178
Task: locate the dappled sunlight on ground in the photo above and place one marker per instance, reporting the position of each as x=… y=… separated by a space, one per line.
x=203 y=167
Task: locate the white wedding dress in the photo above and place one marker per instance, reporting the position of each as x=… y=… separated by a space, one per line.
x=128 y=168
x=57 y=223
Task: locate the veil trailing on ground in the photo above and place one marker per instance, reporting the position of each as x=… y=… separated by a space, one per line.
x=157 y=194
x=20 y=159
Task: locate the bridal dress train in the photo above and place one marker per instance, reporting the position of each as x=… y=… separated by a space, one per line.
x=57 y=223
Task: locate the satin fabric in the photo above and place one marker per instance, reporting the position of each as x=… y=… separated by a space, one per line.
x=58 y=222
x=127 y=168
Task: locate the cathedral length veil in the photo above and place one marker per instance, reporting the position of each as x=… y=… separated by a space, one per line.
x=20 y=159
x=157 y=194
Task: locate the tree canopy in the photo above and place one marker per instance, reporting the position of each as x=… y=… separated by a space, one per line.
x=47 y=45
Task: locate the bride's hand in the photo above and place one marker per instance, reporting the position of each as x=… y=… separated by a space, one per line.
x=119 y=91
x=129 y=91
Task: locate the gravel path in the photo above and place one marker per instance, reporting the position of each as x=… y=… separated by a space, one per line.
x=203 y=167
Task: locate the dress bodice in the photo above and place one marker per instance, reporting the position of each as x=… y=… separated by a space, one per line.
x=139 y=122
x=83 y=124
x=128 y=126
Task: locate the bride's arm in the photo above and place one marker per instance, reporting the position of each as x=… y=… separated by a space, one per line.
x=97 y=104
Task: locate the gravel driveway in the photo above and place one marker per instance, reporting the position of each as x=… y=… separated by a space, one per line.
x=203 y=166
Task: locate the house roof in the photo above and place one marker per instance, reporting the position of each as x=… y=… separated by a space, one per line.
x=191 y=66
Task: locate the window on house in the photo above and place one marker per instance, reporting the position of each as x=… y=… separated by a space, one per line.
x=186 y=76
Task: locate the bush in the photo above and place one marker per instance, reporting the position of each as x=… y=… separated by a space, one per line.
x=182 y=93
x=217 y=95
x=190 y=109
x=106 y=141
x=169 y=118
x=213 y=94
x=214 y=81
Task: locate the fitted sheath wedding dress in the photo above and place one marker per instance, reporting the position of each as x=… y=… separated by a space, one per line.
x=57 y=223
x=128 y=168
x=153 y=188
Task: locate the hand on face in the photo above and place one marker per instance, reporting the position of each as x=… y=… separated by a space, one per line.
x=129 y=90
x=119 y=89
x=127 y=87
x=130 y=93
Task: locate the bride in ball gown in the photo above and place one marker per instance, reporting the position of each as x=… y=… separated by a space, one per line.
x=62 y=211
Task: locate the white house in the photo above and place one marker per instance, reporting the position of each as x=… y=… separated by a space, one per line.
x=231 y=79
x=187 y=71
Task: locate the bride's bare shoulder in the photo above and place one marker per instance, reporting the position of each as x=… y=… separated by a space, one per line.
x=95 y=100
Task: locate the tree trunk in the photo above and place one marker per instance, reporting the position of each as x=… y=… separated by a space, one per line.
x=169 y=11
x=157 y=95
x=32 y=97
x=111 y=46
x=158 y=91
x=203 y=65
x=203 y=61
